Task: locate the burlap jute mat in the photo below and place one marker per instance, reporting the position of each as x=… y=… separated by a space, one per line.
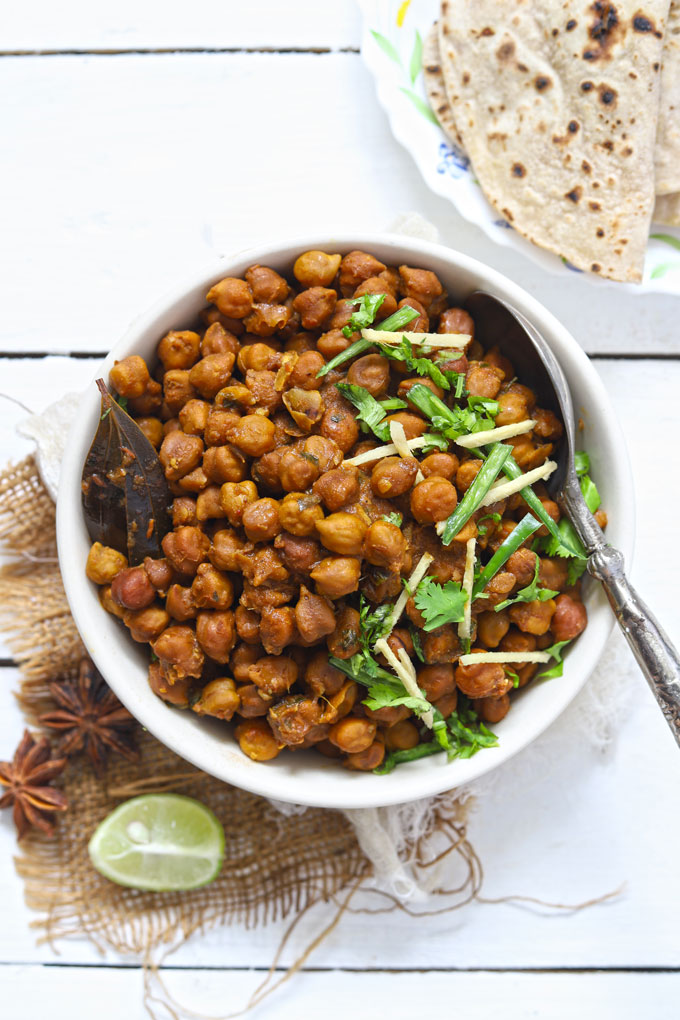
x=276 y=866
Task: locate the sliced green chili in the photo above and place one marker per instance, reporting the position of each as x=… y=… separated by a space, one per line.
x=470 y=502
x=526 y=527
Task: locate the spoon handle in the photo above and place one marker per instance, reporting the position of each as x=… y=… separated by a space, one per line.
x=652 y=648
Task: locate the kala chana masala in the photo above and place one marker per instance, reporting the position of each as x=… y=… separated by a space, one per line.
x=352 y=544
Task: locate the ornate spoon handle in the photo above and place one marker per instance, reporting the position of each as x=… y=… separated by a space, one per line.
x=652 y=648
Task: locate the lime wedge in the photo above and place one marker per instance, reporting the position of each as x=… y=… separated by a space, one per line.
x=159 y=842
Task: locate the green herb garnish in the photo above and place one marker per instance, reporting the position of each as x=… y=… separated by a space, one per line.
x=526 y=527
x=365 y=313
x=474 y=496
x=482 y=528
x=532 y=592
x=459 y=736
x=556 y=652
x=440 y=604
x=393 y=518
x=393 y=322
x=370 y=412
x=421 y=365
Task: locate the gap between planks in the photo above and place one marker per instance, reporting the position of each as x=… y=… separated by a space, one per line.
x=169 y=51
x=63 y=965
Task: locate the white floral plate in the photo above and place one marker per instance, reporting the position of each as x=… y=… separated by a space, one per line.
x=391 y=46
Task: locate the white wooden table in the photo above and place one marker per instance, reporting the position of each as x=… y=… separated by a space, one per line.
x=140 y=140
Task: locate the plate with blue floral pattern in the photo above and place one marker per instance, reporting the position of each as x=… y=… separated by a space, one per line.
x=392 y=43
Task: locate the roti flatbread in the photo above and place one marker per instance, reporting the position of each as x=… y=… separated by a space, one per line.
x=667 y=210
x=558 y=112
x=667 y=153
x=435 y=87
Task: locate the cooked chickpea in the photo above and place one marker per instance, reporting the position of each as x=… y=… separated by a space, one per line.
x=146 y=624
x=233 y=297
x=570 y=618
x=456 y=320
x=219 y=426
x=492 y=710
x=376 y=285
x=183 y=511
x=152 y=429
x=338 y=487
x=149 y=404
x=305 y=373
x=420 y=284
x=315 y=305
x=247 y=624
x=533 y=617
x=216 y=634
x=253 y=702
x=296 y=471
x=179 y=349
x=132 y=589
x=436 y=680
x=103 y=563
x=366 y=761
x=264 y=319
x=180 y=603
x=336 y=576
x=372 y=372
x=321 y=678
x=193 y=417
x=185 y=548
x=385 y=545
x=352 y=735
x=235 y=497
x=314 y=616
x=413 y=425
x=433 y=500
x=180 y=454
x=130 y=377
x=177 y=390
x=445 y=465
x=267 y=286
x=174 y=691
x=393 y=476
x=273 y=674
x=224 y=464
x=339 y=424
x=316 y=268
x=299 y=513
x=277 y=628
x=261 y=520
x=253 y=434
x=492 y=627
x=179 y=653
x=402 y=736
x=342 y=533
x=211 y=588
x=483 y=680
x=218 y=340
x=208 y=503
x=226 y=547
x=218 y=699
x=356 y=267
x=256 y=739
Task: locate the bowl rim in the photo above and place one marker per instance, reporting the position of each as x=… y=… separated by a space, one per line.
x=356 y=789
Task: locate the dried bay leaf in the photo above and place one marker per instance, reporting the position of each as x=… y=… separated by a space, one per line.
x=125 y=496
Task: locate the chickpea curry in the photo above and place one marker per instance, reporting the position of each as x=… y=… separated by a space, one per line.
x=357 y=552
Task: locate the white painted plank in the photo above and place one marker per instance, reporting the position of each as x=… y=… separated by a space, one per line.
x=126 y=173
x=482 y=995
x=204 y=24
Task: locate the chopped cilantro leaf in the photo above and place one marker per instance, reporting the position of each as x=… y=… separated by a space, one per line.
x=581 y=462
x=531 y=593
x=417 y=643
x=393 y=404
x=365 y=313
x=590 y=493
x=393 y=518
x=370 y=411
x=556 y=652
x=574 y=570
x=512 y=676
x=482 y=528
x=440 y=604
x=420 y=365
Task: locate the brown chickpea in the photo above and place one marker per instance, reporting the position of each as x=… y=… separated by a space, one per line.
x=242 y=658
x=219 y=426
x=277 y=628
x=483 y=680
x=414 y=426
x=315 y=305
x=247 y=624
x=103 y=563
x=436 y=680
x=406 y=384
x=393 y=476
x=456 y=320
x=492 y=710
x=216 y=634
x=179 y=349
x=553 y=574
x=467 y=472
x=366 y=761
x=179 y=653
x=316 y=268
x=342 y=533
x=233 y=297
x=174 y=691
x=211 y=374
x=402 y=736
x=433 y=500
x=183 y=511
x=177 y=390
x=195 y=481
x=224 y=464
x=513 y=408
x=152 y=429
x=570 y=618
x=325 y=452
x=314 y=616
x=261 y=520
x=372 y=372
x=273 y=674
x=376 y=285
x=338 y=487
x=211 y=589
x=259 y=357
x=218 y=340
x=132 y=589
x=253 y=434
x=306 y=370
x=149 y=404
x=299 y=513
x=483 y=380
x=421 y=284
x=533 y=617
x=385 y=545
x=336 y=576
x=256 y=739
x=441 y=645
x=208 y=503
x=333 y=342
x=339 y=424
x=254 y=703
x=218 y=699
x=296 y=472
x=295 y=721
x=388 y=716
x=236 y=395
x=180 y=603
x=445 y=465
x=146 y=624
x=265 y=319
x=159 y=572
x=492 y=628
x=235 y=497
x=130 y=377
x=322 y=679
x=226 y=547
x=356 y=267
x=180 y=454
x=422 y=323
x=352 y=735
x=266 y=284
x=447 y=704
x=185 y=548
x=193 y=417
x=341 y=704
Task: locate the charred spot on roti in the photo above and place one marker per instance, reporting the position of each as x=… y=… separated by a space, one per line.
x=595 y=267
x=518 y=170
x=573 y=126
x=523 y=68
x=466 y=77
x=587 y=86
x=555 y=32
x=608 y=145
x=599 y=232
x=508 y=215
x=433 y=69
x=656 y=66
x=487 y=31
x=586 y=167
x=506 y=50
x=641 y=23
x=607 y=95
x=571 y=25
x=575 y=194
x=594 y=206
x=541 y=82
x=603 y=31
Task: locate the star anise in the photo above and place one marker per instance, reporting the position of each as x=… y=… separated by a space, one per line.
x=91 y=719
x=27 y=778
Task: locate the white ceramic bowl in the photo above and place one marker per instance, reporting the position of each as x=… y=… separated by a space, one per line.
x=306 y=777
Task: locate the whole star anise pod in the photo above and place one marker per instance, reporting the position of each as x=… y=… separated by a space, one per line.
x=91 y=719
x=27 y=778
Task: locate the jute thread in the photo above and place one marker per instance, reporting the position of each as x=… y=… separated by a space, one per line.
x=314 y=858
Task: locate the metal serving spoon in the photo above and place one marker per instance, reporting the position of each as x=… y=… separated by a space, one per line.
x=654 y=652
